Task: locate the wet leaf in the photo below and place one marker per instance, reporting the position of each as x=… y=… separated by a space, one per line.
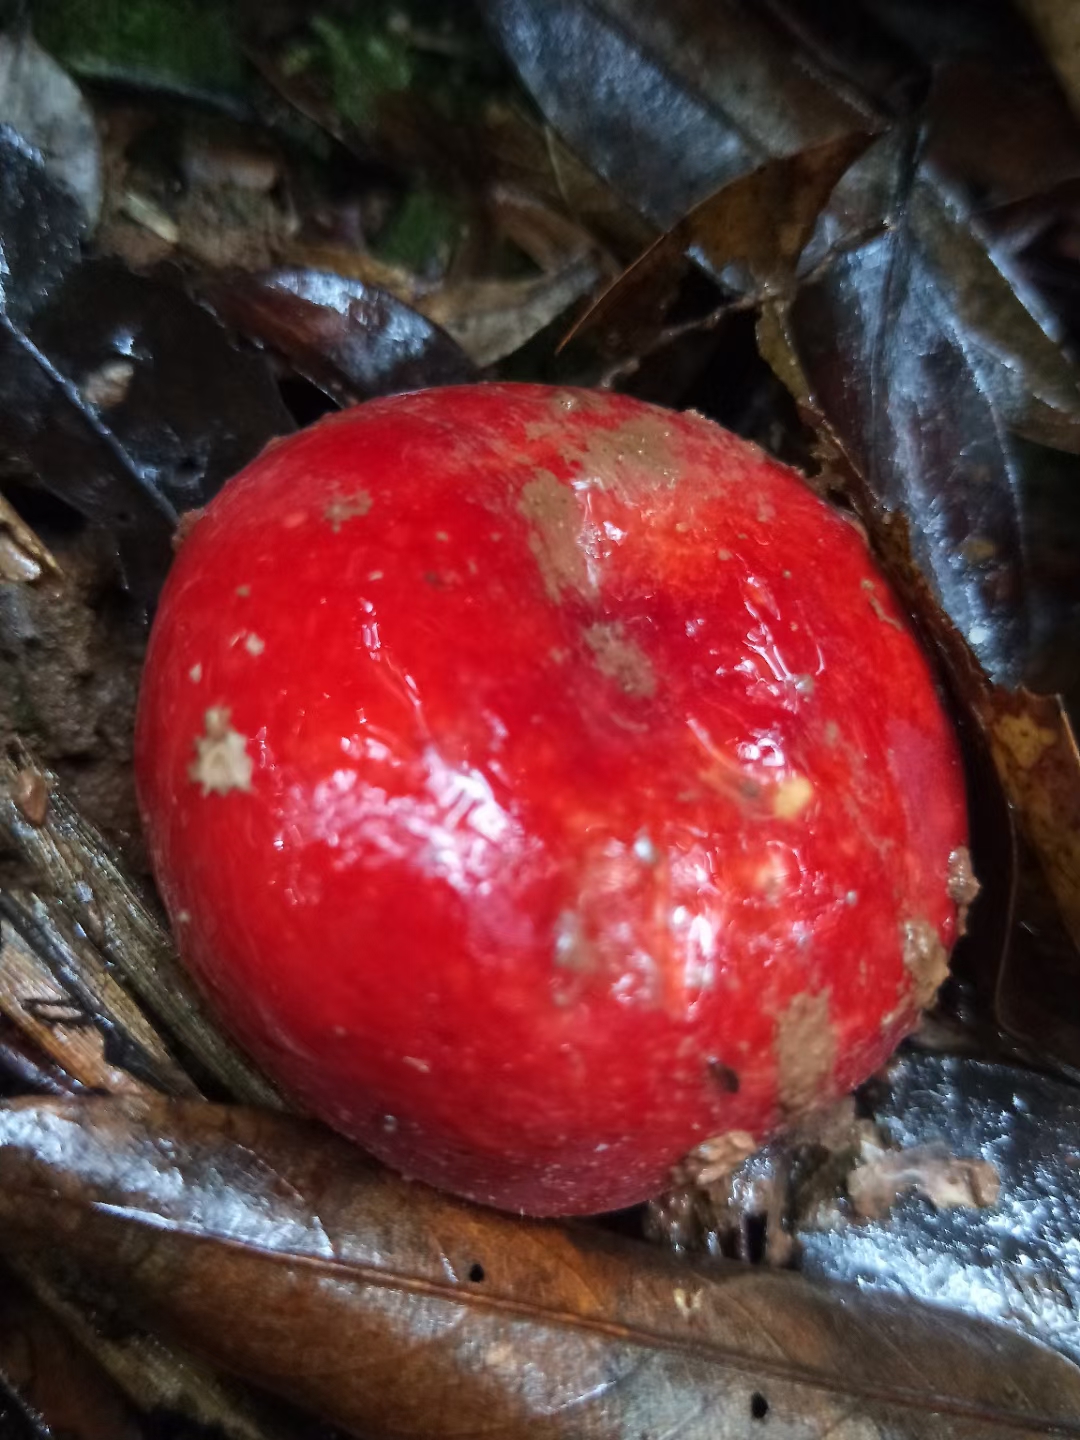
x=916 y=354
x=41 y=227
x=183 y=401
x=926 y=364
x=17 y=1422
x=43 y=105
x=48 y=431
x=1014 y=1260
x=129 y=402
x=670 y=103
x=352 y=339
x=468 y=1320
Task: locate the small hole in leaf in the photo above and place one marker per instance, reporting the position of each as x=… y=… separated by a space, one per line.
x=759 y=1406
x=476 y=1273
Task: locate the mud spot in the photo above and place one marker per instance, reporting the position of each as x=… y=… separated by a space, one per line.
x=879 y=610
x=925 y=960
x=949 y=1182
x=184 y=526
x=31 y=795
x=635 y=459
x=962 y=886
x=621 y=659
x=805 y=1049
x=573 y=952
x=222 y=762
x=714 y=1159
x=346 y=507
x=554 y=520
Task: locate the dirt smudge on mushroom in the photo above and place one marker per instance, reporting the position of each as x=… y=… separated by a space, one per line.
x=632 y=460
x=925 y=960
x=621 y=659
x=714 y=1159
x=554 y=520
x=222 y=762
x=347 y=507
x=879 y=610
x=805 y=1049
x=962 y=886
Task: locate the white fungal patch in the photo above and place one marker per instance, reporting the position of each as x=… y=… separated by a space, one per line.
x=254 y=645
x=222 y=762
x=195 y=674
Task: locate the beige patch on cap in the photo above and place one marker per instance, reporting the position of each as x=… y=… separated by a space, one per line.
x=222 y=762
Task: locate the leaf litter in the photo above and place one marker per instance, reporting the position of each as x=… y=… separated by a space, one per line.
x=299 y=211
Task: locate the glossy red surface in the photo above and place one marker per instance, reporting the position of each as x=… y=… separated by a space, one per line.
x=569 y=785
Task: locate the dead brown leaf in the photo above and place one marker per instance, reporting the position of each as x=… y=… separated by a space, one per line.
x=396 y=1311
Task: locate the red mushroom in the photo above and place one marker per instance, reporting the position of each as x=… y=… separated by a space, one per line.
x=544 y=786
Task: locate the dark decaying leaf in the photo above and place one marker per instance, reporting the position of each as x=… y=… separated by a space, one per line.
x=182 y=1398
x=42 y=104
x=117 y=393
x=664 y=119
x=17 y=1420
x=491 y=319
x=41 y=225
x=351 y=339
x=1058 y=26
x=54 y=1375
x=49 y=432
x=397 y=1311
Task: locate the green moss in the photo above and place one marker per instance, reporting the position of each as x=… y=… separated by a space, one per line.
x=422 y=234
x=364 y=61
x=189 y=44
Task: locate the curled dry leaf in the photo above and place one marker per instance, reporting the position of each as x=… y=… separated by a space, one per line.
x=278 y=1249
x=491 y=319
x=749 y=234
x=23 y=557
